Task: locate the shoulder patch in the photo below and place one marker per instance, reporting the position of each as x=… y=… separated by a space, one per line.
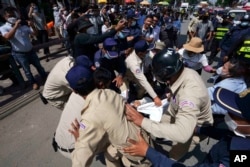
x=82 y=126
x=186 y=103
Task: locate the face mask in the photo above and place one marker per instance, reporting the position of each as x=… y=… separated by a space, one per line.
x=12 y=20
x=65 y=12
x=232 y=125
x=35 y=10
x=223 y=74
x=219 y=70
x=107 y=55
x=55 y=8
x=121 y=35
x=133 y=23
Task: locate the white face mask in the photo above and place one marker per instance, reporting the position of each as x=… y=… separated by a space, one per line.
x=223 y=74
x=55 y=8
x=219 y=70
x=12 y=20
x=232 y=125
x=65 y=12
x=35 y=11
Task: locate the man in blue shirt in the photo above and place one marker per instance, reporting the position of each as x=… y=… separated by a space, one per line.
x=18 y=34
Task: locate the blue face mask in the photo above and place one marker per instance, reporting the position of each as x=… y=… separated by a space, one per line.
x=121 y=35
x=107 y=55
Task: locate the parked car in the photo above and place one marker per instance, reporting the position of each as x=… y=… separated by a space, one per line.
x=237 y=14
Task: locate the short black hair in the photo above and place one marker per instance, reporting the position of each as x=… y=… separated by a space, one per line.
x=102 y=78
x=85 y=87
x=236 y=69
x=9 y=9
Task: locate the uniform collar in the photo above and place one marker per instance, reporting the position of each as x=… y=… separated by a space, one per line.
x=137 y=57
x=89 y=98
x=179 y=81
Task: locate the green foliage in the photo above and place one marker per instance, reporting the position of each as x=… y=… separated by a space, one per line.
x=224 y=3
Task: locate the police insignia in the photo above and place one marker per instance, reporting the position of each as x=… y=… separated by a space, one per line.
x=82 y=126
x=186 y=103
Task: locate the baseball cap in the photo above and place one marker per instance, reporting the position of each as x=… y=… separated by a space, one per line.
x=236 y=104
x=141 y=46
x=131 y=14
x=83 y=61
x=78 y=77
x=110 y=45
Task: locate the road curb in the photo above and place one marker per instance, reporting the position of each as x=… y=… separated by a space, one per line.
x=18 y=103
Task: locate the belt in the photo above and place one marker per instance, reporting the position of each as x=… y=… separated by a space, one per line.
x=139 y=162
x=56 y=146
x=21 y=52
x=66 y=150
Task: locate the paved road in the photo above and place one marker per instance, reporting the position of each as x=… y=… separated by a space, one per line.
x=26 y=135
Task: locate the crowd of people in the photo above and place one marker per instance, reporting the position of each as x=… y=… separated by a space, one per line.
x=121 y=58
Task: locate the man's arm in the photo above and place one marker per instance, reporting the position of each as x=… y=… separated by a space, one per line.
x=30 y=11
x=87 y=144
x=12 y=32
x=97 y=39
x=138 y=73
x=185 y=123
x=141 y=148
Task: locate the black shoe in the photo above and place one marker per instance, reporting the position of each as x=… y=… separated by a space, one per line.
x=210 y=61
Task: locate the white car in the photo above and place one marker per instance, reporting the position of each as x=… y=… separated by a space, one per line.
x=237 y=14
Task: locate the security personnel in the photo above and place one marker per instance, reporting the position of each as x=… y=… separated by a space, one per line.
x=241 y=50
x=135 y=74
x=189 y=104
x=238 y=120
x=56 y=89
x=219 y=33
x=235 y=33
x=241 y=47
x=96 y=131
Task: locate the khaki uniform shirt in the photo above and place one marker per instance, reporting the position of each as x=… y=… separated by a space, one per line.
x=189 y=106
x=134 y=65
x=103 y=122
x=192 y=24
x=56 y=89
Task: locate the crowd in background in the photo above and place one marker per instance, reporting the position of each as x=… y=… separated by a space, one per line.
x=121 y=57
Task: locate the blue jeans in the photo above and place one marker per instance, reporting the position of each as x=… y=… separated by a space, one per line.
x=25 y=59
